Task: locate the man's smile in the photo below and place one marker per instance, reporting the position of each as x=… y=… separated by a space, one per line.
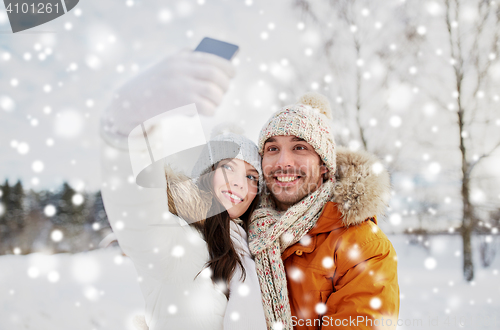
x=286 y=180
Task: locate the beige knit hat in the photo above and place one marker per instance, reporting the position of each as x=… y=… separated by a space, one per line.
x=309 y=119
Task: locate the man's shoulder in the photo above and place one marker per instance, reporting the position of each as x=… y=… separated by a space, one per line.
x=360 y=243
x=363 y=234
x=339 y=238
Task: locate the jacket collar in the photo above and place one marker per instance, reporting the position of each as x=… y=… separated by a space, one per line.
x=329 y=220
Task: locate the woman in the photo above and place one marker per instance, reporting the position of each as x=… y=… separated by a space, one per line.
x=201 y=275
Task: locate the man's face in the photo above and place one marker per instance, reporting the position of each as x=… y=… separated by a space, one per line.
x=292 y=169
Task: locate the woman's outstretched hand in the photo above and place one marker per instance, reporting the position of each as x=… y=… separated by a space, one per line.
x=180 y=79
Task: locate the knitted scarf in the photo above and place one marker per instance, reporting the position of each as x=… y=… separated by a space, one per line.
x=270 y=233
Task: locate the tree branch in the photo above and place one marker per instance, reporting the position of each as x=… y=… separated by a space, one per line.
x=483 y=156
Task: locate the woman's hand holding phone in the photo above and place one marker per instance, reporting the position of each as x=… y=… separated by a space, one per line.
x=180 y=79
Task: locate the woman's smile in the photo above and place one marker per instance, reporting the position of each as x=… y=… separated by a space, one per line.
x=233 y=197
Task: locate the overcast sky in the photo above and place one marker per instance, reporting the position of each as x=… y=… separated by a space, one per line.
x=56 y=78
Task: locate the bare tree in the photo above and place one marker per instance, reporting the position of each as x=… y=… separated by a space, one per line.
x=459 y=81
x=355 y=37
x=473 y=49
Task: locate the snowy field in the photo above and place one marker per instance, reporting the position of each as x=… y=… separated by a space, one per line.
x=98 y=290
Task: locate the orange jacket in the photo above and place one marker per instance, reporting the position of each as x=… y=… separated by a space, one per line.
x=342 y=276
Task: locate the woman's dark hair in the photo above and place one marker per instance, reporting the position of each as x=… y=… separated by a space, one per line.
x=216 y=231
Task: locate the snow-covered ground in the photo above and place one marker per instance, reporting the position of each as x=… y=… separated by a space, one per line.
x=434 y=293
x=99 y=290
x=93 y=290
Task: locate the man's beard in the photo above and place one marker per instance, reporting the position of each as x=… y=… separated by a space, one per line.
x=294 y=194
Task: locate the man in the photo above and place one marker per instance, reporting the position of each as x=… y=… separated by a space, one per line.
x=321 y=259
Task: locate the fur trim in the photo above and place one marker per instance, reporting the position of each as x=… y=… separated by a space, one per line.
x=185 y=199
x=362 y=188
x=139 y=322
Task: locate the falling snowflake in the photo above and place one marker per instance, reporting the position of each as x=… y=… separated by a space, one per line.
x=395 y=121
x=53 y=276
x=243 y=290
x=320 y=308
x=327 y=262
x=119 y=225
x=377 y=168
x=395 y=219
x=37 y=166
x=172 y=309
x=295 y=274
x=354 y=252
x=422 y=30
x=56 y=235
x=91 y=293
x=77 y=199
x=375 y=303
x=118 y=259
x=49 y=210
x=277 y=325
x=430 y=263
x=33 y=272
x=23 y=148
x=7 y=104
x=178 y=251
x=305 y=240
x=434 y=168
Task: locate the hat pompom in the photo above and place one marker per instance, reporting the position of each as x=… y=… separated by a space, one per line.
x=317 y=101
x=226 y=128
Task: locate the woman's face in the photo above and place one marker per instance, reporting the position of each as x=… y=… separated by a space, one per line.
x=235 y=184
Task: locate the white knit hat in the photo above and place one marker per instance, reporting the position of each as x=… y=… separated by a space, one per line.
x=227 y=145
x=309 y=119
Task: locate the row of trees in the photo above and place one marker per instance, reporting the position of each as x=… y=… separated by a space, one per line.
x=50 y=221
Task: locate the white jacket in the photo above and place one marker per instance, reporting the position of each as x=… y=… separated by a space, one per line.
x=168 y=255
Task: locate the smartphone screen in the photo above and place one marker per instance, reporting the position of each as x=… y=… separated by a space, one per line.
x=217 y=47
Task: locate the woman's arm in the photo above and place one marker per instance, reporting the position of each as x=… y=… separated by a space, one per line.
x=147 y=232
x=167 y=255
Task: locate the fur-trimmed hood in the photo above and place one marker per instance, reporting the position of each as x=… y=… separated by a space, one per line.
x=362 y=187
x=185 y=199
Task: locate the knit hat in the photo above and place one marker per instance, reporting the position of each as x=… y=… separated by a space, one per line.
x=226 y=143
x=309 y=119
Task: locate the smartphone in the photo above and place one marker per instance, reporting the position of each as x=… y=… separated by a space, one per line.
x=217 y=47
